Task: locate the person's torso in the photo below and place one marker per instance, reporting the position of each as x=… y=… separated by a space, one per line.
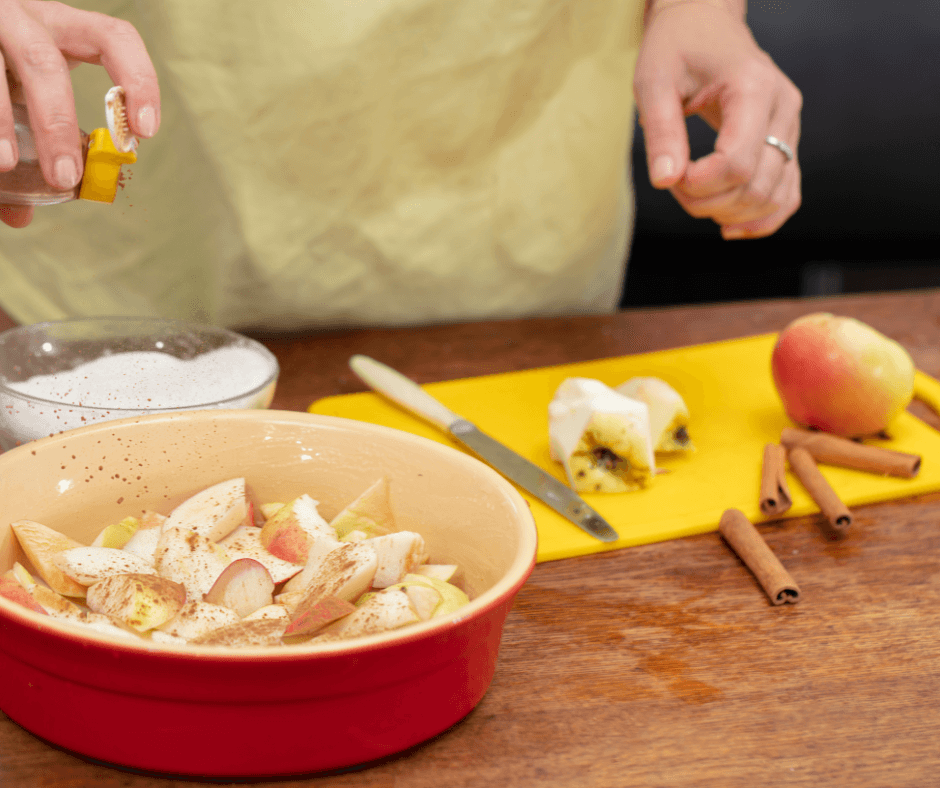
x=326 y=163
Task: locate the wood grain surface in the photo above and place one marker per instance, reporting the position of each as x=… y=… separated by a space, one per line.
x=662 y=665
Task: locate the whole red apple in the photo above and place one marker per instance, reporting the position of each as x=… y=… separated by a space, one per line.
x=839 y=375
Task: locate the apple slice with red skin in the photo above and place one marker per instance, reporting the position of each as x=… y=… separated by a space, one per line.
x=290 y=531
x=317 y=615
x=245 y=542
x=13 y=591
x=345 y=573
x=382 y=611
x=244 y=586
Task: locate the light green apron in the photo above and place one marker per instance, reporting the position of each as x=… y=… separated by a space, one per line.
x=329 y=163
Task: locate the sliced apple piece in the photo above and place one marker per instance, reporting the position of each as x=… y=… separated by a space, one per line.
x=117 y=535
x=423 y=598
x=196 y=618
x=321 y=546
x=64 y=609
x=275 y=611
x=289 y=600
x=268 y=510
x=53 y=603
x=214 y=512
x=190 y=558
x=88 y=565
x=383 y=611
x=318 y=615
x=140 y=601
x=252 y=632
x=371 y=513
x=244 y=586
x=143 y=542
x=289 y=533
x=452 y=597
x=347 y=572
x=41 y=543
x=245 y=542
x=103 y=625
x=12 y=590
x=397 y=554
x=166 y=639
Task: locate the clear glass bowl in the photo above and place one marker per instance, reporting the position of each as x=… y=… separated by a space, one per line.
x=64 y=374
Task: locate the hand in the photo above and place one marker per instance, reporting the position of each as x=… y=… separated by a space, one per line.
x=697 y=58
x=39 y=42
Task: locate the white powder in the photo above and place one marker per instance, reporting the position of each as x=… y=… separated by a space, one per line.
x=135 y=381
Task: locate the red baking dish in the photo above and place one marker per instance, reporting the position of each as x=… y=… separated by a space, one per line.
x=258 y=711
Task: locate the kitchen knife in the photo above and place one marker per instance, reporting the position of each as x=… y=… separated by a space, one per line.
x=518 y=469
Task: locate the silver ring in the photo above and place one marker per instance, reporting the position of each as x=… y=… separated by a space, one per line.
x=781 y=146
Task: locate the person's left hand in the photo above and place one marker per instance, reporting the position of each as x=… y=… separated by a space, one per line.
x=697 y=58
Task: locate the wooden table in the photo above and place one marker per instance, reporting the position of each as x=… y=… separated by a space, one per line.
x=661 y=665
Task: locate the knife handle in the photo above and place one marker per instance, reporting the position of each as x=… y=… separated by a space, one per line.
x=402 y=390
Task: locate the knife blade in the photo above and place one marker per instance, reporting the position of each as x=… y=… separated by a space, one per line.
x=528 y=475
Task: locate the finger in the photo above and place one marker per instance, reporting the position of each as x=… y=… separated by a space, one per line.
x=16 y=215
x=44 y=75
x=710 y=206
x=746 y=109
x=754 y=200
x=114 y=44
x=731 y=207
x=773 y=163
x=663 y=119
x=788 y=196
x=9 y=154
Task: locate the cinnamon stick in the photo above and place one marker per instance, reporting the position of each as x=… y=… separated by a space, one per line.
x=819 y=489
x=746 y=541
x=774 y=492
x=833 y=450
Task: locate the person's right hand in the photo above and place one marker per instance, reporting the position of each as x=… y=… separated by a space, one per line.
x=40 y=41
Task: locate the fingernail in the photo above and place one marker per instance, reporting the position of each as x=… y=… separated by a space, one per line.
x=663 y=167
x=147 y=122
x=733 y=233
x=7 y=159
x=66 y=173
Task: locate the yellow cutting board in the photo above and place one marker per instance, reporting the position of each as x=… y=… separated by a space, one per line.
x=734 y=410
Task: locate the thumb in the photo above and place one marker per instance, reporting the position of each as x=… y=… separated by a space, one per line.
x=664 y=129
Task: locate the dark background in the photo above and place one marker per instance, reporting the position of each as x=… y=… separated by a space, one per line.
x=869 y=72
